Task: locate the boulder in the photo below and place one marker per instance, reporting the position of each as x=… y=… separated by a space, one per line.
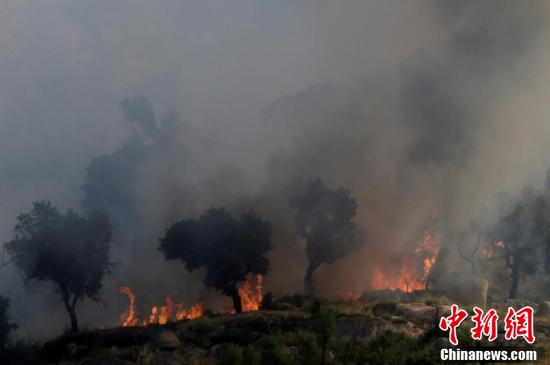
x=421 y=314
x=360 y=326
x=164 y=340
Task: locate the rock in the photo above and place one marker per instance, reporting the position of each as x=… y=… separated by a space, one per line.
x=421 y=314
x=240 y=336
x=520 y=303
x=383 y=309
x=359 y=326
x=105 y=360
x=218 y=350
x=442 y=343
x=164 y=340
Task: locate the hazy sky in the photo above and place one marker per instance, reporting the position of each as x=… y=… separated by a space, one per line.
x=424 y=82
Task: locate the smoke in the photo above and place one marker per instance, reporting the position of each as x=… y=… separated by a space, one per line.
x=415 y=107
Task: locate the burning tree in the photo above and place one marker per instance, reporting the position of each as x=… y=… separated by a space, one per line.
x=229 y=249
x=69 y=250
x=522 y=231
x=324 y=219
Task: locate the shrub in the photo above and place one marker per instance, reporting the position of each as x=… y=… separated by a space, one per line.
x=274 y=351
x=233 y=355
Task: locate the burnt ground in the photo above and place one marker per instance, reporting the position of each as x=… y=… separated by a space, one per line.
x=288 y=332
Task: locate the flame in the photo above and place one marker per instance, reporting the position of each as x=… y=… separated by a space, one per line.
x=158 y=314
x=129 y=317
x=251 y=294
x=488 y=251
x=414 y=270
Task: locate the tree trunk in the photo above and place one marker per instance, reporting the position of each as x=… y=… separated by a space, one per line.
x=70 y=306
x=515 y=279
x=309 y=282
x=236 y=300
x=74 y=321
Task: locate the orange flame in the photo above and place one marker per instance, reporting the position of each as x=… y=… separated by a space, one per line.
x=158 y=314
x=251 y=295
x=488 y=251
x=129 y=317
x=414 y=270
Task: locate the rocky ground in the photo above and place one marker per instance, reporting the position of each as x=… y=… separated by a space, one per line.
x=284 y=334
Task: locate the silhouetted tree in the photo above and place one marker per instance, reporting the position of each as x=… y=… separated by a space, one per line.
x=229 y=249
x=69 y=250
x=110 y=183
x=324 y=219
x=523 y=231
x=111 y=180
x=6 y=326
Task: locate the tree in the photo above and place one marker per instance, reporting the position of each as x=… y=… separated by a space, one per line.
x=522 y=230
x=229 y=249
x=6 y=326
x=324 y=219
x=69 y=250
x=111 y=180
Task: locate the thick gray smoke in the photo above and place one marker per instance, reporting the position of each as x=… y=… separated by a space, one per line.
x=416 y=107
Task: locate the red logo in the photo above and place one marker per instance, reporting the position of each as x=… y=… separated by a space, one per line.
x=452 y=322
x=485 y=325
x=517 y=324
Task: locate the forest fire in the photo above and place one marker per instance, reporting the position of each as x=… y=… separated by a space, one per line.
x=414 y=269
x=488 y=251
x=251 y=293
x=158 y=314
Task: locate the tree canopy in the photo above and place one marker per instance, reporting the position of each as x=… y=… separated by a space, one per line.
x=229 y=249
x=324 y=218
x=70 y=250
x=523 y=229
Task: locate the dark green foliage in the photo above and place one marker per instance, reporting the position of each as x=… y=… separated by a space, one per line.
x=6 y=326
x=198 y=330
x=308 y=351
x=395 y=349
x=324 y=219
x=69 y=250
x=524 y=229
x=251 y=356
x=324 y=327
x=229 y=249
x=233 y=355
x=274 y=351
